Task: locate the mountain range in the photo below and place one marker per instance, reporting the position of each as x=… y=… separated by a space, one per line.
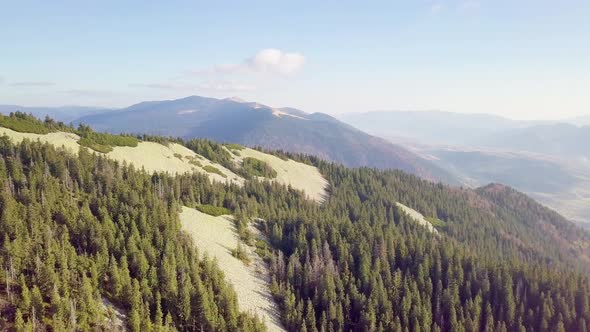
x=431 y=126
x=562 y=138
x=254 y=124
x=547 y=160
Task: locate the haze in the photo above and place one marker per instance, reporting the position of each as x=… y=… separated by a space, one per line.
x=520 y=59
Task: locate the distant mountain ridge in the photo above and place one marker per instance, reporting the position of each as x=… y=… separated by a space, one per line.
x=429 y=126
x=254 y=124
x=63 y=113
x=549 y=160
x=561 y=139
x=565 y=137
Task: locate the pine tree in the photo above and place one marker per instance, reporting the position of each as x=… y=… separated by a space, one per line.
x=134 y=321
x=19 y=323
x=37 y=301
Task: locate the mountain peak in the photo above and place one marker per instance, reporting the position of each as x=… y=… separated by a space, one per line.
x=255 y=124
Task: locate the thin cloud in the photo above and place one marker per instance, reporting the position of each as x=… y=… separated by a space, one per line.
x=270 y=61
x=226 y=87
x=470 y=4
x=162 y=86
x=90 y=92
x=221 y=86
x=435 y=8
x=32 y=83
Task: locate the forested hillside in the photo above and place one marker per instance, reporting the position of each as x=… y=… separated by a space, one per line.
x=76 y=229
x=79 y=229
x=359 y=264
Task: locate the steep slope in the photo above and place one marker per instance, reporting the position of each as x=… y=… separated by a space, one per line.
x=215 y=235
x=504 y=219
x=80 y=232
x=511 y=205
x=364 y=200
x=253 y=124
x=418 y=217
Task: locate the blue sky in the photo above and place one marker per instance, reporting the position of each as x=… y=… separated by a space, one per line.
x=521 y=59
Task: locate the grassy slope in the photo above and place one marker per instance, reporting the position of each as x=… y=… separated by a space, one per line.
x=153 y=157
x=298 y=175
x=218 y=237
x=418 y=217
x=172 y=158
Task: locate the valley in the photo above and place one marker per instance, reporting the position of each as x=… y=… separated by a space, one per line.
x=559 y=183
x=547 y=160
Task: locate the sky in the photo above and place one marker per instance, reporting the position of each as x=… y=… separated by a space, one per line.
x=520 y=59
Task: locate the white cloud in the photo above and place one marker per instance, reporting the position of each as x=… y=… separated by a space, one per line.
x=276 y=61
x=270 y=61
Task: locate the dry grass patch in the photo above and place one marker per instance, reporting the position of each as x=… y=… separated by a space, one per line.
x=58 y=139
x=418 y=217
x=217 y=237
x=153 y=157
x=289 y=172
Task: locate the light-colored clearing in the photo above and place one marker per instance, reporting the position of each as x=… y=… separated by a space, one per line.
x=153 y=157
x=115 y=316
x=58 y=139
x=186 y=112
x=217 y=236
x=418 y=217
x=275 y=111
x=289 y=172
x=278 y=113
